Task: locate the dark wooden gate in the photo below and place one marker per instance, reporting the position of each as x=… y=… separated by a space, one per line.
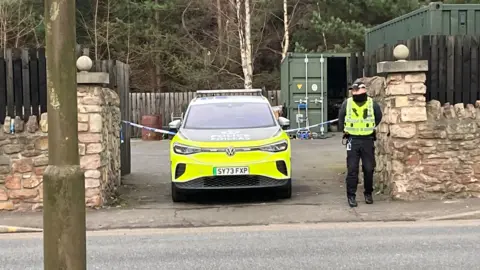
x=120 y=82
x=453 y=67
x=23 y=83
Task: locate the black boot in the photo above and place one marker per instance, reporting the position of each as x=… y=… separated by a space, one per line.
x=352 y=202
x=368 y=199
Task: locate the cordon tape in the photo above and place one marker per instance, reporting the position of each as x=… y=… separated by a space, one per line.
x=173 y=133
x=150 y=128
x=312 y=126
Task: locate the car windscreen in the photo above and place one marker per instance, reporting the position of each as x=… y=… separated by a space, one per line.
x=226 y=115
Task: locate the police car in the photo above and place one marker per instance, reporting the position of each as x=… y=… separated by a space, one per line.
x=230 y=139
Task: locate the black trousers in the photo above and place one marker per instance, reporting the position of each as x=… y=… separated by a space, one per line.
x=364 y=149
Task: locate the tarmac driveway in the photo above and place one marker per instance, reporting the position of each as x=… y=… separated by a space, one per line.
x=318 y=177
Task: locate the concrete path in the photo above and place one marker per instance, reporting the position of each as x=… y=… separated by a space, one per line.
x=260 y=214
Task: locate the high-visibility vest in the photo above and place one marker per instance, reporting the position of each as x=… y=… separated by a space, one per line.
x=355 y=121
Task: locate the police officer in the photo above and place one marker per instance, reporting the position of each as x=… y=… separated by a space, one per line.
x=358 y=116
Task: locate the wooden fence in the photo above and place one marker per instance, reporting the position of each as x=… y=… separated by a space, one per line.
x=165 y=104
x=23 y=83
x=453 y=62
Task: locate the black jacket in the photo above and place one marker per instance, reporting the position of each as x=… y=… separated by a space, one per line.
x=377 y=111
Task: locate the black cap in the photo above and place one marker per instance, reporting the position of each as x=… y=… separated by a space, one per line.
x=358 y=85
x=358 y=81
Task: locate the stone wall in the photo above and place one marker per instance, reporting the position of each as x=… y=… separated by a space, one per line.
x=24 y=153
x=424 y=150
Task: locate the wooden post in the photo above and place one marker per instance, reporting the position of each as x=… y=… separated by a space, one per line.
x=64 y=234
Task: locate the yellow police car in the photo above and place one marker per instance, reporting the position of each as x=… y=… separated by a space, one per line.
x=230 y=139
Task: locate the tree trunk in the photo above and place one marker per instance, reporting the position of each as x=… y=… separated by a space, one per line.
x=220 y=31
x=244 y=36
x=158 y=71
x=241 y=36
x=248 y=47
x=96 y=30
x=286 y=35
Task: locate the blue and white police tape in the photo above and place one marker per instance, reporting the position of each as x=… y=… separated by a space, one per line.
x=312 y=126
x=173 y=133
x=150 y=128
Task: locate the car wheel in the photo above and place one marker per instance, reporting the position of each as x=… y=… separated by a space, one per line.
x=285 y=192
x=177 y=194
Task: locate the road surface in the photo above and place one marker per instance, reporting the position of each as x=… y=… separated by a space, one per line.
x=428 y=245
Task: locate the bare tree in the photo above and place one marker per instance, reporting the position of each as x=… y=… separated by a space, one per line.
x=244 y=36
x=17 y=22
x=107 y=37
x=158 y=71
x=286 y=25
x=248 y=47
x=95 y=30
x=220 y=28
x=286 y=35
x=240 y=35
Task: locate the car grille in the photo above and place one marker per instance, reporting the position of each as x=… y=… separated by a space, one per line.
x=225 y=182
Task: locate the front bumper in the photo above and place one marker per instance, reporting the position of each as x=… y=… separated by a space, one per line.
x=188 y=173
x=232 y=182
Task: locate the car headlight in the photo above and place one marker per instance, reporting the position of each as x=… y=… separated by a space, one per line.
x=185 y=150
x=275 y=147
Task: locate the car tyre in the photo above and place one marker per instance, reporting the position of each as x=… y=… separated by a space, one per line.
x=285 y=192
x=177 y=194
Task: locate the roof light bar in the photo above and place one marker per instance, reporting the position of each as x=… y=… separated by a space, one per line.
x=229 y=92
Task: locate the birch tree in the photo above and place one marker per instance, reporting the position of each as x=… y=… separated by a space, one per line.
x=286 y=35
x=242 y=8
x=287 y=19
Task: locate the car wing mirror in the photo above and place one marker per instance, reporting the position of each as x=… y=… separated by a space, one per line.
x=175 y=124
x=283 y=121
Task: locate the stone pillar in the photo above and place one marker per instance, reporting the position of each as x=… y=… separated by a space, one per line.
x=98 y=133
x=24 y=146
x=404 y=110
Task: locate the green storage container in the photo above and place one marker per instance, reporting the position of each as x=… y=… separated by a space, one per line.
x=435 y=19
x=321 y=79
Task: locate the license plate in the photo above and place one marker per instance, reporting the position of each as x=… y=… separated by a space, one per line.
x=231 y=171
